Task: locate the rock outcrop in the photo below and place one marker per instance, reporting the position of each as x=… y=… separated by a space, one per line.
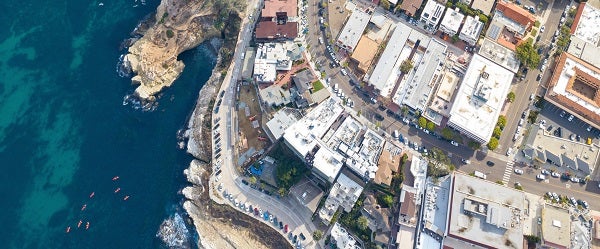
x=179 y=25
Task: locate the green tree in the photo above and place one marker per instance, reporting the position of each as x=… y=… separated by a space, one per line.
x=362 y=223
x=527 y=54
x=455 y=38
x=493 y=143
x=474 y=145
x=511 y=97
x=447 y=133
x=317 y=235
x=497 y=132
x=387 y=200
x=406 y=66
x=282 y=191
x=501 y=122
x=483 y=18
x=404 y=110
x=385 y=4
x=170 y=33
x=422 y=122
x=430 y=126
x=252 y=180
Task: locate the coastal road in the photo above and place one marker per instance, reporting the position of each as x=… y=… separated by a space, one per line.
x=225 y=122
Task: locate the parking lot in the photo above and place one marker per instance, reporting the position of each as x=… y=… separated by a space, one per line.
x=556 y=117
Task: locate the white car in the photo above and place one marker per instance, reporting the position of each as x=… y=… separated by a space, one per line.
x=519 y=171
x=509 y=152
x=540 y=177
x=343 y=71
x=542 y=29
x=570 y=118
x=454 y=143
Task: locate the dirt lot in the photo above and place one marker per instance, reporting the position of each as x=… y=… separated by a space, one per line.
x=249 y=110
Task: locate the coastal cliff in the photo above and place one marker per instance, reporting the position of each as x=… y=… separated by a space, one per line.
x=179 y=25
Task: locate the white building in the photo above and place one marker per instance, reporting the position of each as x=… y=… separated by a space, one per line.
x=353 y=30
x=302 y=136
x=480 y=98
x=471 y=30
x=327 y=164
x=452 y=21
x=432 y=13
x=585 y=42
x=417 y=86
x=344 y=193
x=281 y=120
x=270 y=58
x=386 y=71
x=343 y=239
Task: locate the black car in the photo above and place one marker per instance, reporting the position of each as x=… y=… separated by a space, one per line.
x=280 y=225
x=295 y=239
x=302 y=236
x=379 y=117
x=490 y=163
x=539 y=77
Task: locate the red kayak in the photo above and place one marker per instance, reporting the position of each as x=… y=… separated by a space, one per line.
x=126 y=197
x=79 y=224
x=117 y=190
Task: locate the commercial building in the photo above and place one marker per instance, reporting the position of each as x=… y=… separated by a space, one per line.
x=451 y=21
x=415 y=89
x=281 y=120
x=270 y=58
x=556 y=227
x=585 y=39
x=271 y=31
x=304 y=135
x=410 y=7
x=576 y=157
x=485 y=6
x=575 y=87
x=432 y=13
x=386 y=71
x=500 y=55
x=485 y=214
x=435 y=211
x=364 y=53
x=353 y=30
x=471 y=30
x=344 y=194
x=308 y=194
x=275 y=95
x=278 y=9
x=480 y=98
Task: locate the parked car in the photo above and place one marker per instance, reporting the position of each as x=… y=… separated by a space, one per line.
x=575 y=180
x=343 y=71
x=540 y=177
x=555 y=174
x=490 y=163
x=545 y=172
x=519 y=171
x=454 y=143
x=570 y=118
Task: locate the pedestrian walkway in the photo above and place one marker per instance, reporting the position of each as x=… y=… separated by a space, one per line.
x=507 y=172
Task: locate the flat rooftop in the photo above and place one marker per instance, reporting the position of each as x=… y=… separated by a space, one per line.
x=307 y=193
x=499 y=54
x=480 y=98
x=353 y=29
x=585 y=41
x=304 y=134
x=342 y=238
x=563 y=152
x=273 y=7
x=437 y=205
x=283 y=119
x=471 y=29
x=452 y=21
x=365 y=52
x=344 y=193
x=327 y=162
x=484 y=5
x=386 y=71
x=428 y=72
x=575 y=87
x=556 y=226
x=485 y=213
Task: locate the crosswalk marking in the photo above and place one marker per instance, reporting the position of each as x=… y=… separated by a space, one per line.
x=508 y=171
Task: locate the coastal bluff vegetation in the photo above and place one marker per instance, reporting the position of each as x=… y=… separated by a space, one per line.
x=179 y=25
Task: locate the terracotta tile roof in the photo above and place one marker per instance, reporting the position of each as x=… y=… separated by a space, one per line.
x=408 y=207
x=516 y=13
x=577 y=17
x=564 y=102
x=270 y=30
x=272 y=7
x=364 y=53
x=411 y=6
x=387 y=165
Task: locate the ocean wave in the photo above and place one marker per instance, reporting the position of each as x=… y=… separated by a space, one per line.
x=123 y=67
x=174 y=232
x=139 y=104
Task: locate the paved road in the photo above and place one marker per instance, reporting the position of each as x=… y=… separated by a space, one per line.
x=226 y=118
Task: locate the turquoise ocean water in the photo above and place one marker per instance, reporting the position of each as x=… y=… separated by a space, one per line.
x=64 y=132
